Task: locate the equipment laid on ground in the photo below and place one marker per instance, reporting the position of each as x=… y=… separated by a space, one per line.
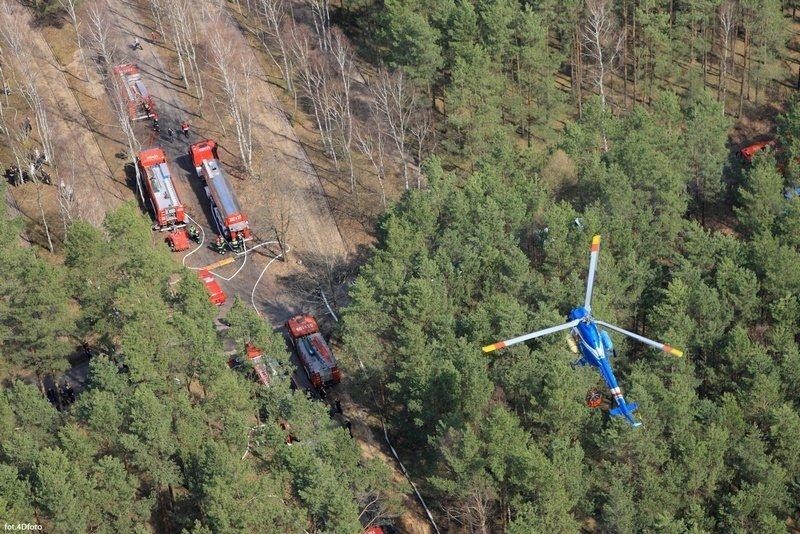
x=178 y=240
x=228 y=217
x=315 y=355
x=139 y=102
x=750 y=151
x=167 y=208
x=264 y=368
x=215 y=293
x=595 y=345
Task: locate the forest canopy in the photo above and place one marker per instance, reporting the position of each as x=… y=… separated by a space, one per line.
x=502 y=251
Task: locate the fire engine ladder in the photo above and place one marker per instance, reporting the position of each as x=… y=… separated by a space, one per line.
x=312 y=351
x=261 y=370
x=319 y=352
x=139 y=96
x=140 y=89
x=161 y=172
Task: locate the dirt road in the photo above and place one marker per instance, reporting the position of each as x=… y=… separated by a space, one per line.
x=294 y=184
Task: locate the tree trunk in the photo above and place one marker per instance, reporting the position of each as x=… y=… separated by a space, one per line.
x=635 y=57
x=579 y=73
x=41 y=212
x=625 y=59
x=651 y=74
x=744 y=70
x=705 y=59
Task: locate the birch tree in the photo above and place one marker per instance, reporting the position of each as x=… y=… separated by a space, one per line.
x=602 y=41
x=17 y=51
x=235 y=73
x=422 y=127
x=321 y=17
x=273 y=14
x=396 y=101
x=100 y=33
x=313 y=81
x=70 y=7
x=726 y=16
x=120 y=105
x=372 y=145
x=179 y=20
x=342 y=55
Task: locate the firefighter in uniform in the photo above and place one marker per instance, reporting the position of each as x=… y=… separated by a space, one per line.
x=219 y=245
x=240 y=242
x=194 y=235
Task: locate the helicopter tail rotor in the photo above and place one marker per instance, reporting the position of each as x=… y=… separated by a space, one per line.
x=594 y=253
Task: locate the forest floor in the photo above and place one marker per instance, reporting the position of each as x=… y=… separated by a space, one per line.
x=355 y=213
x=77 y=159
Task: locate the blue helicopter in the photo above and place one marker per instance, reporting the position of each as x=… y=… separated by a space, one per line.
x=595 y=344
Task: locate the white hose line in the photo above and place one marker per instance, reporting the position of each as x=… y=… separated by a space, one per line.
x=199 y=246
x=237 y=270
x=253 y=292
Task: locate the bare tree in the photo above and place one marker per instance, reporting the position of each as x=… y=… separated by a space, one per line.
x=120 y=105
x=70 y=7
x=321 y=16
x=421 y=128
x=371 y=144
x=179 y=20
x=19 y=52
x=157 y=9
x=100 y=34
x=321 y=287
x=727 y=19
x=66 y=199
x=274 y=13
x=235 y=73
x=474 y=509
x=602 y=40
x=396 y=101
x=376 y=505
x=343 y=57
x=34 y=100
x=313 y=81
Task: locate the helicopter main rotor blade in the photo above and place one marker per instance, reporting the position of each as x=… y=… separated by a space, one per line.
x=595 y=252
x=532 y=335
x=661 y=346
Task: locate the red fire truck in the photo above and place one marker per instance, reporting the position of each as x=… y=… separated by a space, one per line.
x=315 y=355
x=168 y=211
x=134 y=94
x=228 y=217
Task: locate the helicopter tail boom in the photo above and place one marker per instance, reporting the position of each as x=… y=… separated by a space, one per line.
x=594 y=253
